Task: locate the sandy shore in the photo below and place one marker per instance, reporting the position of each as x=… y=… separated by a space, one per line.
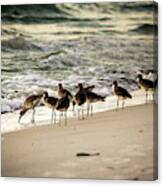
x=124 y=140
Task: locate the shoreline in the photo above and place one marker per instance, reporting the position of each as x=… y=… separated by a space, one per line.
x=50 y=151
x=9 y=120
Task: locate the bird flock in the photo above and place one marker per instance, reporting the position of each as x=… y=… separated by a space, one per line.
x=82 y=96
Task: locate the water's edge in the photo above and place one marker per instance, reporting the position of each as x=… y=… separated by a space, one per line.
x=9 y=121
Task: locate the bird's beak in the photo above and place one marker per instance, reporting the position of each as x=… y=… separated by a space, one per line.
x=19 y=119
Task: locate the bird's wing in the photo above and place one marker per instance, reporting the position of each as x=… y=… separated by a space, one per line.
x=123 y=92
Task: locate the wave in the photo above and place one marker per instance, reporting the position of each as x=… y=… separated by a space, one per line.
x=10 y=105
x=146 y=29
x=67 y=11
x=47 y=19
x=31 y=13
x=18 y=43
x=137 y=6
x=18 y=10
x=25 y=85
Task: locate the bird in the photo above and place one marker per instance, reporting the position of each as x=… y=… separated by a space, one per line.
x=146 y=85
x=88 y=88
x=50 y=102
x=62 y=92
x=121 y=93
x=80 y=99
x=91 y=98
x=30 y=103
x=62 y=106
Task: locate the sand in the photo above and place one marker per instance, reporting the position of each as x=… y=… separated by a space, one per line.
x=124 y=139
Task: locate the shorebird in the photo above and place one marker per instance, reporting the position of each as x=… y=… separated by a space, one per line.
x=88 y=88
x=62 y=92
x=121 y=93
x=91 y=98
x=146 y=85
x=80 y=99
x=50 y=102
x=62 y=106
x=30 y=103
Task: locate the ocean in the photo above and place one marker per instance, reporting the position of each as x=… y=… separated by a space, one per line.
x=92 y=43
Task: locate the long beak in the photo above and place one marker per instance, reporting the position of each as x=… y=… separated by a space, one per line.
x=19 y=119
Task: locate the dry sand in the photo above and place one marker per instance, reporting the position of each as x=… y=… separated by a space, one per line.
x=124 y=139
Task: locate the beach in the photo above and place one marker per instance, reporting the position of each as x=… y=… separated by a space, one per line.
x=94 y=44
x=123 y=139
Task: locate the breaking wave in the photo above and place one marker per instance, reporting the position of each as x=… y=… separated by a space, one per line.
x=18 y=43
x=146 y=29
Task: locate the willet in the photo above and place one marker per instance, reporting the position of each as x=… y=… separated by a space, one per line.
x=91 y=98
x=80 y=99
x=30 y=103
x=50 y=102
x=121 y=93
x=62 y=106
x=146 y=85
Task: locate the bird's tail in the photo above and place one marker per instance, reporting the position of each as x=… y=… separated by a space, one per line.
x=90 y=88
x=101 y=98
x=155 y=83
x=129 y=96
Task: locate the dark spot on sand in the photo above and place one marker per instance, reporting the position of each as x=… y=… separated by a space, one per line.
x=110 y=167
x=135 y=178
x=87 y=154
x=142 y=170
x=141 y=131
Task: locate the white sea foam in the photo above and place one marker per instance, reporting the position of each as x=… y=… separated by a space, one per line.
x=10 y=105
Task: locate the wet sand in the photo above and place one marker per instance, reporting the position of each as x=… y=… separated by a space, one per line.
x=123 y=139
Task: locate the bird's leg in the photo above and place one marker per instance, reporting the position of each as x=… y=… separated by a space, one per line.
x=78 y=112
x=91 y=109
x=65 y=118
x=146 y=95
x=33 y=116
x=154 y=94
x=60 y=114
x=54 y=112
x=73 y=109
x=123 y=104
x=82 y=111
x=52 y=116
x=117 y=104
x=88 y=109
